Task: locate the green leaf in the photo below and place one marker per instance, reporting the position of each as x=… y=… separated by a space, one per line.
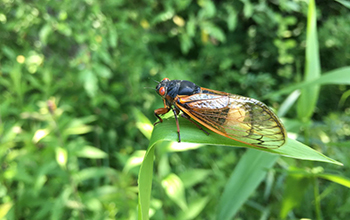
x=91 y=152
x=90 y=82
x=336 y=179
x=185 y=43
x=45 y=31
x=340 y=76
x=145 y=183
x=175 y=189
x=294 y=183
x=194 y=208
x=344 y=3
x=194 y=176
x=248 y=174
x=214 y=31
x=113 y=37
x=94 y=173
x=309 y=95
x=288 y=103
x=134 y=160
x=231 y=18
x=248 y=8
x=61 y=156
x=143 y=123
x=191 y=26
x=4 y=209
x=166 y=131
x=81 y=129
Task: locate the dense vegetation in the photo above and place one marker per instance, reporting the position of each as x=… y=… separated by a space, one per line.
x=75 y=105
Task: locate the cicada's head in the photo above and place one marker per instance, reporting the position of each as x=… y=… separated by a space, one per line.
x=162 y=87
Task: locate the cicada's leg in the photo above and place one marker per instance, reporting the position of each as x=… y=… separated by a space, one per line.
x=176 y=112
x=160 y=111
x=198 y=126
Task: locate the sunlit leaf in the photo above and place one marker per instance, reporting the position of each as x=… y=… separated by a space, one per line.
x=61 y=156
x=82 y=129
x=4 y=209
x=134 y=160
x=40 y=134
x=91 y=152
x=143 y=123
x=336 y=179
x=174 y=188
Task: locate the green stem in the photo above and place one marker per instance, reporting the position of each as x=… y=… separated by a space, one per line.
x=317 y=200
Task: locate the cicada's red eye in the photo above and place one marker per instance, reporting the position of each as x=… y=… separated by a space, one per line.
x=161 y=91
x=166 y=79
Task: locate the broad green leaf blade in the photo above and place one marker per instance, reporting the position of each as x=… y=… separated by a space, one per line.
x=145 y=183
x=175 y=190
x=194 y=208
x=340 y=76
x=309 y=95
x=246 y=177
x=294 y=183
x=336 y=179
x=166 y=131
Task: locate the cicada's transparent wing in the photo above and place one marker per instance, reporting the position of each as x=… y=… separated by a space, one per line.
x=243 y=119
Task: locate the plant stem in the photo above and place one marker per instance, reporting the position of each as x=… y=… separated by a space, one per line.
x=317 y=200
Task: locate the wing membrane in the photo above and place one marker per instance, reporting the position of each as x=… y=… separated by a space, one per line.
x=243 y=119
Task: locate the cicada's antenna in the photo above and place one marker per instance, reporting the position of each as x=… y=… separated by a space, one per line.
x=149 y=88
x=154 y=80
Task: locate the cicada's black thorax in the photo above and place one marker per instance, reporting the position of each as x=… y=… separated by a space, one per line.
x=182 y=87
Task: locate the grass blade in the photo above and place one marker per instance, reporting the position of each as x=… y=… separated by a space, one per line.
x=309 y=95
x=340 y=76
x=248 y=174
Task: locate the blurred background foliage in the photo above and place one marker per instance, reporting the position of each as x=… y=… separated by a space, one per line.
x=74 y=79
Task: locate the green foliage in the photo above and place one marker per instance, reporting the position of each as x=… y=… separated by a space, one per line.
x=73 y=100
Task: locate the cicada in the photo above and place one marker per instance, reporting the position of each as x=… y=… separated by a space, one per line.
x=233 y=116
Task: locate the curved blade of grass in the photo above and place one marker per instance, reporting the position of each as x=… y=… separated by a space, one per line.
x=342 y=180
x=145 y=183
x=246 y=177
x=340 y=76
x=166 y=131
x=308 y=98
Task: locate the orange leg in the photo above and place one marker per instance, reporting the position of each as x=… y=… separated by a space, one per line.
x=160 y=111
